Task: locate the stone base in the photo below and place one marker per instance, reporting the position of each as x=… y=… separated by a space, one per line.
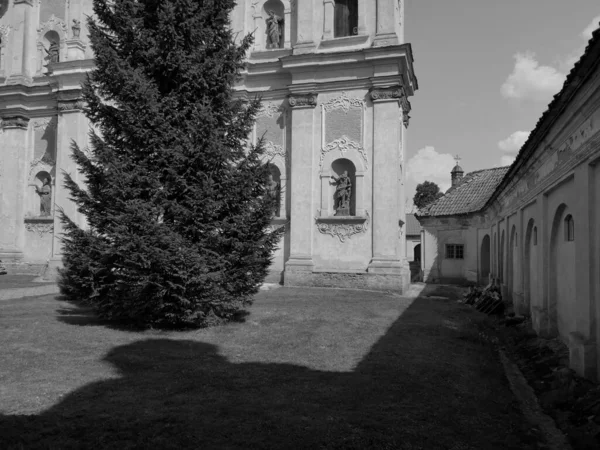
x=349 y=280
x=582 y=356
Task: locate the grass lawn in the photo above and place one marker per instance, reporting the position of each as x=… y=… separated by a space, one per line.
x=309 y=368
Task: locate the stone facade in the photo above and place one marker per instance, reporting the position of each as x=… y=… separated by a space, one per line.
x=538 y=234
x=331 y=103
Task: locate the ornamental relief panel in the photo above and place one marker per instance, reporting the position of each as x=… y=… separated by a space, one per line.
x=345 y=228
x=270 y=125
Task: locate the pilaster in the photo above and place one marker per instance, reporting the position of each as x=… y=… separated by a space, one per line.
x=303 y=121
x=304 y=31
x=386 y=27
x=387 y=134
x=13 y=154
x=23 y=43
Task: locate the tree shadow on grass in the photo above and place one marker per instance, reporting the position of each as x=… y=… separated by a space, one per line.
x=174 y=394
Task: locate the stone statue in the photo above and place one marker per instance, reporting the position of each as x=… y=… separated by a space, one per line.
x=53 y=52
x=76 y=28
x=45 y=193
x=275 y=190
x=343 y=193
x=274 y=30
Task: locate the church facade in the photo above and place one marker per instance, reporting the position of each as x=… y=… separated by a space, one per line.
x=534 y=227
x=335 y=77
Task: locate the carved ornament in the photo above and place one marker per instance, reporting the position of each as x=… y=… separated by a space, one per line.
x=391 y=93
x=49 y=123
x=344 y=103
x=269 y=110
x=53 y=23
x=274 y=150
x=40 y=228
x=70 y=105
x=343 y=144
x=343 y=227
x=304 y=100
x=20 y=122
x=5 y=31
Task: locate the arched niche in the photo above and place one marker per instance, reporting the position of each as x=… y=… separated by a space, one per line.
x=278 y=10
x=333 y=164
x=277 y=167
x=259 y=13
x=37 y=177
x=53 y=30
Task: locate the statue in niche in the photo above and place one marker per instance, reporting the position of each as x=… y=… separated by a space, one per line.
x=53 y=52
x=274 y=190
x=343 y=193
x=76 y=28
x=45 y=193
x=274 y=30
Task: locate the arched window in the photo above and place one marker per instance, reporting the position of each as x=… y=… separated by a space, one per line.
x=569 y=228
x=534 y=235
x=346 y=18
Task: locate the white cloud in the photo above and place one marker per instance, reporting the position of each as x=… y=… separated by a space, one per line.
x=587 y=32
x=514 y=142
x=531 y=81
x=429 y=165
x=506 y=160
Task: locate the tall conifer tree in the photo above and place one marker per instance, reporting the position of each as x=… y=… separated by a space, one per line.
x=176 y=201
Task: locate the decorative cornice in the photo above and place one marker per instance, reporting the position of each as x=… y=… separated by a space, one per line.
x=19 y=122
x=343 y=227
x=343 y=144
x=344 y=103
x=303 y=100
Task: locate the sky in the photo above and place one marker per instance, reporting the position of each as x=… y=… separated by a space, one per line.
x=487 y=70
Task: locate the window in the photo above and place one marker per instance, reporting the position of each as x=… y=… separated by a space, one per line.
x=455 y=251
x=346 y=18
x=534 y=235
x=569 y=228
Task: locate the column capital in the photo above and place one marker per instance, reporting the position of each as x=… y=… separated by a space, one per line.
x=70 y=100
x=392 y=93
x=15 y=122
x=303 y=100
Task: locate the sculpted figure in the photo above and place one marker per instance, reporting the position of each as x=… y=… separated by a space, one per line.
x=275 y=191
x=45 y=193
x=274 y=30
x=76 y=28
x=53 y=52
x=343 y=193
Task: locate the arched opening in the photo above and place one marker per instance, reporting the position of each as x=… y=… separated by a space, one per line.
x=51 y=43
x=495 y=261
x=562 y=288
x=346 y=18
x=485 y=260
x=513 y=254
x=501 y=258
x=529 y=269
x=274 y=14
x=417 y=253
x=43 y=188
x=569 y=228
x=344 y=187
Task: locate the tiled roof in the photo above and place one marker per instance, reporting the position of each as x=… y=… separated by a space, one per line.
x=413 y=227
x=580 y=72
x=469 y=196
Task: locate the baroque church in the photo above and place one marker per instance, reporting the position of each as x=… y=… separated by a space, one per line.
x=534 y=228
x=335 y=77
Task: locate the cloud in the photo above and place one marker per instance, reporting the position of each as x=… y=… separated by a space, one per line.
x=587 y=32
x=506 y=160
x=429 y=165
x=531 y=81
x=514 y=142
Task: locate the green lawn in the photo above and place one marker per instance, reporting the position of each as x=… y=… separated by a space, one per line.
x=309 y=368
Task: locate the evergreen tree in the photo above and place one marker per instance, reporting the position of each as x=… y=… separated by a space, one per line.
x=176 y=201
x=426 y=193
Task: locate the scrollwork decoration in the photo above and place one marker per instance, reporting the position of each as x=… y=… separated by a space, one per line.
x=344 y=103
x=343 y=144
x=343 y=231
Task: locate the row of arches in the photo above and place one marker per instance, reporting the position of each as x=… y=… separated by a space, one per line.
x=523 y=270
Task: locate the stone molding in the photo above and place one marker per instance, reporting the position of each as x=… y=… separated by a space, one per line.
x=18 y=122
x=343 y=144
x=343 y=227
x=344 y=103
x=303 y=100
x=40 y=225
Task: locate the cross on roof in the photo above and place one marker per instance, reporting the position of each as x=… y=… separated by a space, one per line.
x=457 y=159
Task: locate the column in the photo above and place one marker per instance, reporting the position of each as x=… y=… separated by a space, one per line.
x=304 y=28
x=386 y=27
x=13 y=154
x=22 y=41
x=302 y=211
x=582 y=343
x=328 y=19
x=72 y=126
x=387 y=133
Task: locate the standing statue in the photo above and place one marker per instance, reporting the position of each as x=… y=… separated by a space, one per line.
x=45 y=193
x=76 y=28
x=274 y=30
x=275 y=190
x=53 y=52
x=343 y=193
